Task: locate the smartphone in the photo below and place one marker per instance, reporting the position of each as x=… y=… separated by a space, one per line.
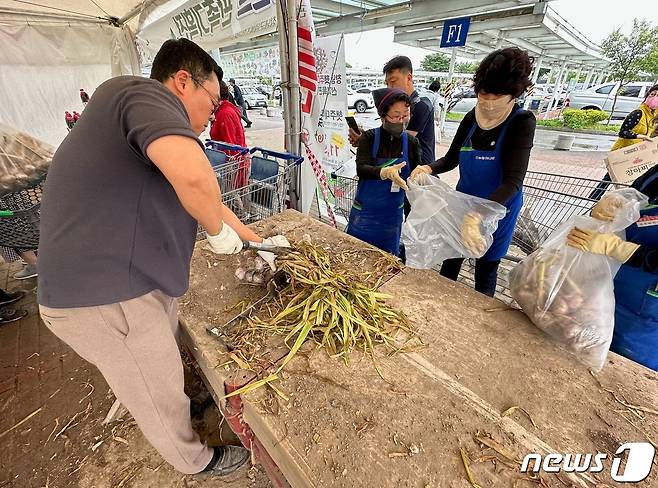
x=351 y=122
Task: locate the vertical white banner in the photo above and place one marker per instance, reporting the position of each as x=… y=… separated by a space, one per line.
x=330 y=107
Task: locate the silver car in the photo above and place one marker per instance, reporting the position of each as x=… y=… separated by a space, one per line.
x=601 y=97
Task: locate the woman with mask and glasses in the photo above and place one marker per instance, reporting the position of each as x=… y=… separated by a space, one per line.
x=384 y=160
x=492 y=148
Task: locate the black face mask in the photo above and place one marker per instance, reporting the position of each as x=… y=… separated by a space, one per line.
x=394 y=128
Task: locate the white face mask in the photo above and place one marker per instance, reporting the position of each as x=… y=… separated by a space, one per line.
x=492 y=113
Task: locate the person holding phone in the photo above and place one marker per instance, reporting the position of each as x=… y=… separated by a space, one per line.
x=384 y=160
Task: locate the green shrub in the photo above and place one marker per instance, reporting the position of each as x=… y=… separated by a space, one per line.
x=583 y=119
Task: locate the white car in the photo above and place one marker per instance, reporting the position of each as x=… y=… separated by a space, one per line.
x=359 y=101
x=601 y=97
x=253 y=98
x=463 y=101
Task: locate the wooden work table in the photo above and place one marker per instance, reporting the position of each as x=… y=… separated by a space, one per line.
x=346 y=426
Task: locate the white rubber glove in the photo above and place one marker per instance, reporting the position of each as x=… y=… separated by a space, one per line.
x=270 y=257
x=226 y=242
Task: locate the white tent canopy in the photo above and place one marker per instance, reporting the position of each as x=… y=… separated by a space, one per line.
x=52 y=48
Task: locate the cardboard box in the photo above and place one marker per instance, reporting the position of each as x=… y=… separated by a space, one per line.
x=627 y=164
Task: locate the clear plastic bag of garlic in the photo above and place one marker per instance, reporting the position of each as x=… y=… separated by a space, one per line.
x=569 y=294
x=24 y=159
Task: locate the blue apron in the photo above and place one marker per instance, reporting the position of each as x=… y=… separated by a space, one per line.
x=480 y=173
x=636 y=308
x=377 y=212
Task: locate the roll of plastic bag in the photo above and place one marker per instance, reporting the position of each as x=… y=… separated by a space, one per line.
x=569 y=293
x=432 y=231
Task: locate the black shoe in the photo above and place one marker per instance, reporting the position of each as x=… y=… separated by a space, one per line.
x=9 y=315
x=227 y=459
x=9 y=298
x=248 y=125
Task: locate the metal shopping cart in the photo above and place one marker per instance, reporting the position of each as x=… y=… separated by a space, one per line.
x=230 y=163
x=548 y=200
x=266 y=190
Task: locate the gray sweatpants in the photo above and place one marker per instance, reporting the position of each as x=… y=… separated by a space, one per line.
x=134 y=344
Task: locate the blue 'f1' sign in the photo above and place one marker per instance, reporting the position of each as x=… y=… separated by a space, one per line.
x=455 y=32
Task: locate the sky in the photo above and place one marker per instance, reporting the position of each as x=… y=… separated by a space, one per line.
x=594 y=18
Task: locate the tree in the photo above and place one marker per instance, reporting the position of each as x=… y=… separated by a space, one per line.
x=628 y=53
x=650 y=63
x=435 y=62
x=466 y=67
x=348 y=65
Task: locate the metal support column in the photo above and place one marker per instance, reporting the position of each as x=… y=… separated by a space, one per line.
x=451 y=71
x=557 y=86
x=588 y=79
x=535 y=76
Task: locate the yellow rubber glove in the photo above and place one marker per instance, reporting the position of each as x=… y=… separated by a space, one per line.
x=393 y=173
x=597 y=243
x=423 y=169
x=471 y=234
x=606 y=208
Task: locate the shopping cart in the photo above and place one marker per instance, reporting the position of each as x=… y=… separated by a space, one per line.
x=548 y=200
x=266 y=191
x=230 y=163
x=20 y=216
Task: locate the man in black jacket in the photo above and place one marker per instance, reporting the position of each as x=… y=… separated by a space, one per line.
x=239 y=101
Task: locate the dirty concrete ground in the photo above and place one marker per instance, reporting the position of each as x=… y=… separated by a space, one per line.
x=52 y=404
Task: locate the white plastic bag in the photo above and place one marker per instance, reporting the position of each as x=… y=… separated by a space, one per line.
x=23 y=159
x=569 y=293
x=432 y=231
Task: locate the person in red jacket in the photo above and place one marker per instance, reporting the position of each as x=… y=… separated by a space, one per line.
x=227 y=127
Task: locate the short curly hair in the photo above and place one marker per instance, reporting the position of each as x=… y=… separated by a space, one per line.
x=504 y=72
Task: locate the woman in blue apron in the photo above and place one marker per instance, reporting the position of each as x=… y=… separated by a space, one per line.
x=492 y=148
x=636 y=283
x=384 y=159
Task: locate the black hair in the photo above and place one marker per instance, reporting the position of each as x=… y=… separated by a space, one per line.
x=504 y=72
x=178 y=54
x=435 y=86
x=654 y=87
x=225 y=93
x=402 y=63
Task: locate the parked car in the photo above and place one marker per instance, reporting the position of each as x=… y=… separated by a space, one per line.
x=253 y=98
x=463 y=101
x=601 y=97
x=359 y=101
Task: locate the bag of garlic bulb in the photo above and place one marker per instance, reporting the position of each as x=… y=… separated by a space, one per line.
x=569 y=293
x=24 y=160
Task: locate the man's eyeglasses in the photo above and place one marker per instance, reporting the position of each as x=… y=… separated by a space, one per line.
x=215 y=101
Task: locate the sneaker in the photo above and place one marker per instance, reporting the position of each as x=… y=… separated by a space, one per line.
x=8 y=315
x=248 y=125
x=227 y=459
x=29 y=271
x=7 y=298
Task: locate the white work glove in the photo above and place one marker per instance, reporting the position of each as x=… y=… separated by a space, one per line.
x=226 y=242
x=471 y=234
x=270 y=257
